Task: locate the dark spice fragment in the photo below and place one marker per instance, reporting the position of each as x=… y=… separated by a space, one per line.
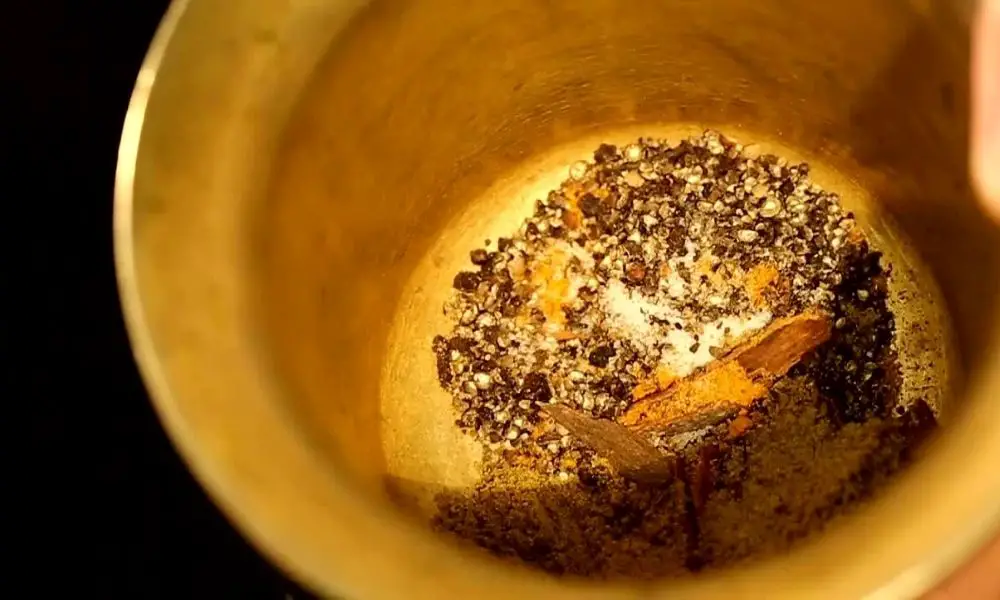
x=442 y=360
x=479 y=256
x=590 y=205
x=536 y=388
x=605 y=153
x=636 y=272
x=601 y=356
x=856 y=372
x=466 y=281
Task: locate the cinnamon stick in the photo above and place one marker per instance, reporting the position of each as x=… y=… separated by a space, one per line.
x=630 y=454
x=736 y=380
x=719 y=391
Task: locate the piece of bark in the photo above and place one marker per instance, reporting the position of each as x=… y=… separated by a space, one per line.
x=707 y=397
x=630 y=454
x=783 y=345
x=736 y=380
x=699 y=421
x=704 y=475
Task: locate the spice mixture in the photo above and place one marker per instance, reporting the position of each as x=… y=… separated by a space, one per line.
x=648 y=264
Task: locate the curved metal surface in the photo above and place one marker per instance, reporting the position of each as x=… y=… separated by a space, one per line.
x=237 y=115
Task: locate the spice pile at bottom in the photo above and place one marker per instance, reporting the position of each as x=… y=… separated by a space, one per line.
x=649 y=263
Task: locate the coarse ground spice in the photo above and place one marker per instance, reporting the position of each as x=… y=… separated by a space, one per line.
x=644 y=267
x=786 y=478
x=759 y=281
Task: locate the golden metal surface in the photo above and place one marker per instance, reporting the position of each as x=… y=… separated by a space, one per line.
x=296 y=177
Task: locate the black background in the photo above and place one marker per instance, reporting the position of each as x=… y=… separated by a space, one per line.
x=107 y=508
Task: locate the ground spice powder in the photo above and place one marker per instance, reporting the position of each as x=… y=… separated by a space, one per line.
x=761 y=279
x=726 y=384
x=748 y=497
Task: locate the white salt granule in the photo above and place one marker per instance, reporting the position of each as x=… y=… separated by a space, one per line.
x=676 y=286
x=628 y=313
x=681 y=361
